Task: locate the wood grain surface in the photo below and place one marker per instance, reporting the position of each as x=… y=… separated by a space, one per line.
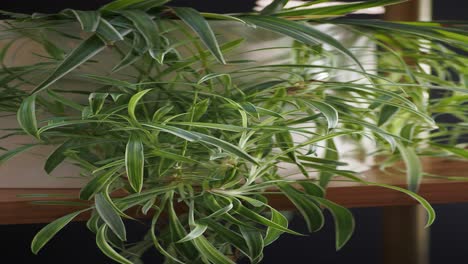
x=17 y=209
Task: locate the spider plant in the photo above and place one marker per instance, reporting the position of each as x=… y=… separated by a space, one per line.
x=176 y=120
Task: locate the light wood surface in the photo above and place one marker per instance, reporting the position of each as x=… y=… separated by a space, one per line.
x=15 y=209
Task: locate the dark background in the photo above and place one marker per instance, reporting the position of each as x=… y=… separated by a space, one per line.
x=75 y=244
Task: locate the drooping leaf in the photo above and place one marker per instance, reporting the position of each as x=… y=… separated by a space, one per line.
x=50 y=230
x=110 y=217
x=431 y=215
x=14 y=152
x=414 y=170
x=344 y=221
x=98 y=183
x=197 y=231
x=106 y=248
x=87 y=49
x=330 y=113
x=272 y=233
x=254 y=240
x=210 y=252
x=89 y=20
x=148 y=30
x=300 y=32
x=197 y=22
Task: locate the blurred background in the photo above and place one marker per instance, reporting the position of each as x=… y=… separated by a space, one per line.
x=448 y=236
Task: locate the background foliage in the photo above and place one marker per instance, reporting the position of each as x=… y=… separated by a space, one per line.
x=186 y=130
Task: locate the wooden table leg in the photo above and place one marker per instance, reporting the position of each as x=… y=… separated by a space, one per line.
x=405 y=240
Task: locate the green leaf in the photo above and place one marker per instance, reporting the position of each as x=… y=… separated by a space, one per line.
x=273 y=234
x=148 y=30
x=414 y=170
x=26 y=116
x=98 y=183
x=197 y=22
x=226 y=146
x=134 y=162
x=342 y=8
x=423 y=202
x=462 y=153
x=330 y=113
x=344 y=221
x=107 y=32
x=197 y=231
x=244 y=211
x=274 y=7
x=195 y=136
x=96 y=101
x=253 y=238
x=11 y=153
x=124 y=4
x=86 y=50
x=50 y=230
x=198 y=110
x=58 y=156
x=301 y=33
x=110 y=216
x=308 y=209
x=331 y=153
x=133 y=103
x=89 y=20
x=210 y=252
x=388 y=111
x=178 y=232
x=101 y=241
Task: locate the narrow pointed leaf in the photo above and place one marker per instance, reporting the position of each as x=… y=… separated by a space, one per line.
x=50 y=230
x=274 y=7
x=107 y=32
x=110 y=217
x=26 y=116
x=254 y=240
x=87 y=49
x=132 y=104
x=272 y=233
x=431 y=215
x=106 y=248
x=300 y=32
x=89 y=20
x=197 y=22
x=98 y=183
x=197 y=231
x=12 y=153
x=210 y=252
x=330 y=113
x=134 y=162
x=147 y=28
x=414 y=170
x=344 y=221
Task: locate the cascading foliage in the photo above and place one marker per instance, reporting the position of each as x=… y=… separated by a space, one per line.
x=173 y=119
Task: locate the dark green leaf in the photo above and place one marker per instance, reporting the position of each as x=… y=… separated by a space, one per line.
x=101 y=241
x=27 y=116
x=134 y=162
x=344 y=221
x=197 y=22
x=110 y=216
x=50 y=230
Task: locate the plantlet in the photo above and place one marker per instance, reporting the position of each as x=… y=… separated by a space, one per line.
x=187 y=125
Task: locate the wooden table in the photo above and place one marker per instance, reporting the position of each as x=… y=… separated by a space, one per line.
x=405 y=239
